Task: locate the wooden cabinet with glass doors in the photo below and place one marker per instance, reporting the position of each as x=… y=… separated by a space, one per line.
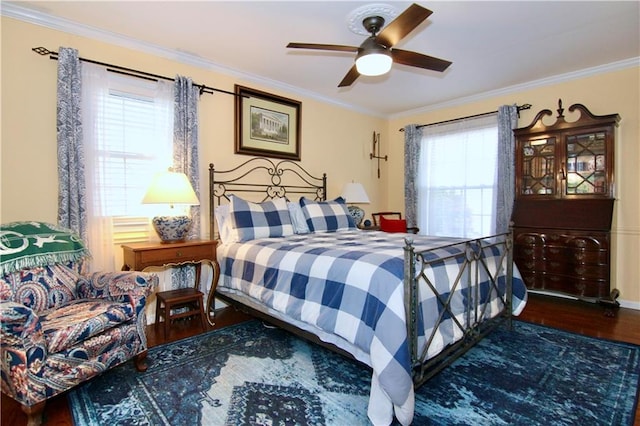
x=564 y=203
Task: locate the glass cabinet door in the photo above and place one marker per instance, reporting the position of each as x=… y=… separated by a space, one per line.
x=586 y=164
x=538 y=167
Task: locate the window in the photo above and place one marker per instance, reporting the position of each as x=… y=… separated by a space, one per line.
x=128 y=137
x=131 y=151
x=457 y=178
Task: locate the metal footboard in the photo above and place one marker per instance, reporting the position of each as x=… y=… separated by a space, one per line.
x=473 y=275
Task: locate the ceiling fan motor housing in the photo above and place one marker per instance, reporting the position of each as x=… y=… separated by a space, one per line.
x=373 y=24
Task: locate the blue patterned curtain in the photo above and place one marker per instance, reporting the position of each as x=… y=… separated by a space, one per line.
x=185 y=140
x=72 y=209
x=507 y=121
x=185 y=159
x=412 y=139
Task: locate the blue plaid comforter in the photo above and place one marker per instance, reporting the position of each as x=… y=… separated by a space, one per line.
x=350 y=284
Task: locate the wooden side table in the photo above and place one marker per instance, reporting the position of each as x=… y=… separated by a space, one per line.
x=140 y=256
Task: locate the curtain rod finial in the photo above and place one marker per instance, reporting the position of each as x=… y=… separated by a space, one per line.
x=42 y=51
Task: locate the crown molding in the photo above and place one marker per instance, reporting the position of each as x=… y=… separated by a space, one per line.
x=560 y=78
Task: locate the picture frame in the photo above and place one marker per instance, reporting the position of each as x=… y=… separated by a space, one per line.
x=267 y=124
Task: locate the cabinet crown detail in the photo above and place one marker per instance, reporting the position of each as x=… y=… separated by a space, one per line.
x=586 y=118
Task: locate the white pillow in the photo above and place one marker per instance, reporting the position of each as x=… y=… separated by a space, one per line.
x=298 y=219
x=224 y=222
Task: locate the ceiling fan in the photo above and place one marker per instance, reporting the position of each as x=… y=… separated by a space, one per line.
x=376 y=54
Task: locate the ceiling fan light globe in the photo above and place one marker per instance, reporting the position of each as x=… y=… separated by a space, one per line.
x=373 y=64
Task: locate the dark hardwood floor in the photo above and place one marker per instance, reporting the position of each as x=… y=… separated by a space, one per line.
x=565 y=314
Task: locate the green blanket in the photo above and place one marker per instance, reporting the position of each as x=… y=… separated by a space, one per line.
x=30 y=244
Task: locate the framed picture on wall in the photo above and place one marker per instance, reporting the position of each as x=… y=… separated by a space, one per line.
x=266 y=124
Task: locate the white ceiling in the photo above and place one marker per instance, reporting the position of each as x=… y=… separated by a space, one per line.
x=494 y=46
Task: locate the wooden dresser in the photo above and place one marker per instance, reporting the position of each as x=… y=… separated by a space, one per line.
x=564 y=204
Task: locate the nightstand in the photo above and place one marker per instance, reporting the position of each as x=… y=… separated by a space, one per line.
x=140 y=256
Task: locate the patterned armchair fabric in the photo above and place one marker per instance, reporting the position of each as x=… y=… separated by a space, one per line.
x=60 y=327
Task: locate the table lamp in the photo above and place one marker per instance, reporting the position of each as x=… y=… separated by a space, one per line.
x=171 y=188
x=354 y=193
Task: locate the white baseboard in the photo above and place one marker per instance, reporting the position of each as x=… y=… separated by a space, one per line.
x=623 y=303
x=629 y=305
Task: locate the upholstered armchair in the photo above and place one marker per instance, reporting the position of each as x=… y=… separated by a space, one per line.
x=60 y=327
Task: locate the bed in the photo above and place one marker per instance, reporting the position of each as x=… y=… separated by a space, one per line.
x=405 y=305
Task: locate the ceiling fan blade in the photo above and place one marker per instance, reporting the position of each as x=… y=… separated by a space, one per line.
x=351 y=76
x=419 y=60
x=336 y=47
x=406 y=22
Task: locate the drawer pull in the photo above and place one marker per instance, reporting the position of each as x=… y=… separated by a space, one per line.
x=554 y=250
x=178 y=254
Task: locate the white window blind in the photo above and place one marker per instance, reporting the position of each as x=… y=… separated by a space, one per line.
x=130 y=229
x=130 y=126
x=457 y=178
x=130 y=152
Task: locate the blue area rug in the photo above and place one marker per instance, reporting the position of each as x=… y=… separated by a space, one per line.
x=248 y=374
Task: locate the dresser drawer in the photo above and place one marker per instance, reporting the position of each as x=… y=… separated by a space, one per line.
x=531 y=239
x=590 y=271
x=532 y=280
x=555 y=251
x=525 y=264
x=597 y=288
x=595 y=242
x=554 y=266
x=176 y=255
x=583 y=287
x=528 y=252
x=589 y=257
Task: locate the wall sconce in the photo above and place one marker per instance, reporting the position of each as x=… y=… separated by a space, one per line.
x=374 y=154
x=171 y=188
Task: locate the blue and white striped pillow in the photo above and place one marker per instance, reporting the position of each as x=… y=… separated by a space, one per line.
x=263 y=220
x=326 y=216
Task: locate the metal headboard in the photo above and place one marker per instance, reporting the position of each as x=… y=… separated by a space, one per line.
x=263 y=179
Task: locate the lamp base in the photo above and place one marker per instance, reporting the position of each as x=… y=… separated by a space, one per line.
x=356 y=213
x=172 y=229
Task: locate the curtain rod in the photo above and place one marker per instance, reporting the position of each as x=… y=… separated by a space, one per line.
x=132 y=72
x=519 y=108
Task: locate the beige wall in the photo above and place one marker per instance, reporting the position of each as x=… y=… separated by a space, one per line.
x=607 y=93
x=335 y=140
